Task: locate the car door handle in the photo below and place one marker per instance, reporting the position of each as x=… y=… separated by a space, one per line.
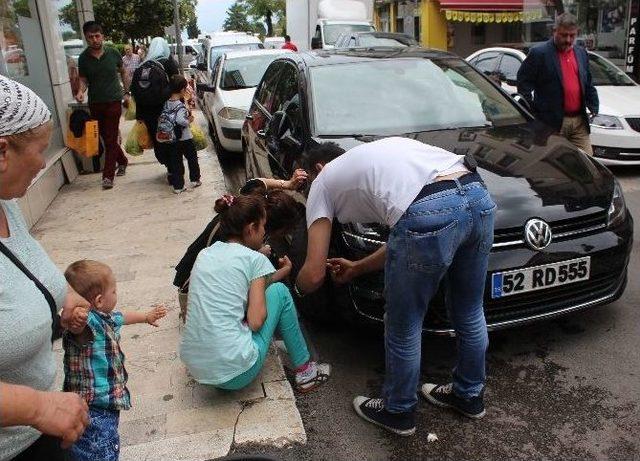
x=261 y=134
x=249 y=117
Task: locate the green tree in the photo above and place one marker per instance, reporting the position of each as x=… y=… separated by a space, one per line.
x=266 y=10
x=124 y=20
x=237 y=18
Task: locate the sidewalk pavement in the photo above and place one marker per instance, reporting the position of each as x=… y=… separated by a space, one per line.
x=141 y=229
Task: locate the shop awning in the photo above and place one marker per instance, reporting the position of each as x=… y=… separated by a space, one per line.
x=482 y=5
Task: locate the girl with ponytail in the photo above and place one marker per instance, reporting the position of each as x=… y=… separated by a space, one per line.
x=237 y=302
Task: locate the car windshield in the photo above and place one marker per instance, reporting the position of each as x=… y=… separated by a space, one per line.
x=246 y=72
x=216 y=51
x=333 y=31
x=390 y=97
x=605 y=73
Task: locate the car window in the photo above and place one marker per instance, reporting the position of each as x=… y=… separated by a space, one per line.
x=216 y=51
x=266 y=92
x=333 y=31
x=287 y=99
x=604 y=73
x=214 y=72
x=487 y=62
x=509 y=67
x=352 y=42
x=379 y=97
x=371 y=41
x=245 y=72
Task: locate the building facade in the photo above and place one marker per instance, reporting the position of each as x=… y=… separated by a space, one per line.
x=33 y=53
x=464 y=26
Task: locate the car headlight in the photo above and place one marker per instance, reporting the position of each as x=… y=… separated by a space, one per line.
x=608 y=122
x=231 y=113
x=618 y=208
x=364 y=237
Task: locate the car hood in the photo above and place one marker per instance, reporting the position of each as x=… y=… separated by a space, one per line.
x=620 y=101
x=240 y=99
x=529 y=171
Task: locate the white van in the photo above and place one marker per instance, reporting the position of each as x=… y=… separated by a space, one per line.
x=189 y=53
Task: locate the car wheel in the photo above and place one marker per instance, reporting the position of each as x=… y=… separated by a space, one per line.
x=222 y=153
x=318 y=307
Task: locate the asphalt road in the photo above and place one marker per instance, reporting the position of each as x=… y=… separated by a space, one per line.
x=562 y=389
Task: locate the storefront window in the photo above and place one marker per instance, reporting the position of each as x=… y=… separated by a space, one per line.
x=71 y=35
x=23 y=57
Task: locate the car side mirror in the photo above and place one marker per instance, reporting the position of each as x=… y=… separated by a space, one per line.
x=316 y=43
x=201 y=66
x=204 y=88
x=193 y=66
x=278 y=125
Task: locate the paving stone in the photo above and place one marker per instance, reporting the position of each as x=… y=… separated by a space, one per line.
x=143 y=430
x=268 y=421
x=193 y=447
x=219 y=416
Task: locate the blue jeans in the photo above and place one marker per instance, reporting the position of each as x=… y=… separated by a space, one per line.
x=281 y=316
x=450 y=234
x=100 y=440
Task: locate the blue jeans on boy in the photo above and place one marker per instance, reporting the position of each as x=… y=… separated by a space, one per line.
x=281 y=316
x=100 y=440
x=448 y=233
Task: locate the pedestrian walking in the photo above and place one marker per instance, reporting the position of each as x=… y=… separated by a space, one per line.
x=94 y=362
x=142 y=52
x=130 y=61
x=441 y=220
x=37 y=423
x=100 y=68
x=556 y=81
x=237 y=302
x=175 y=136
x=288 y=44
x=150 y=90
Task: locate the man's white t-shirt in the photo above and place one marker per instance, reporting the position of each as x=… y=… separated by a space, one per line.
x=377 y=181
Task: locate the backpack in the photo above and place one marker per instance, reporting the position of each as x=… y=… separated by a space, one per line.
x=150 y=84
x=168 y=129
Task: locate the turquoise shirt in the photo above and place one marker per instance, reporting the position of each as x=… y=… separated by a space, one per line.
x=216 y=344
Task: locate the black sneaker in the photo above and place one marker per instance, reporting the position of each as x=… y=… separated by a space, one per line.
x=122 y=170
x=442 y=395
x=373 y=410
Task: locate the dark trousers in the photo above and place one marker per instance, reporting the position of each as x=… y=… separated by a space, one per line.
x=108 y=116
x=46 y=448
x=175 y=152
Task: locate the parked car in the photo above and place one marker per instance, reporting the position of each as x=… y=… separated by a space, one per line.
x=273 y=43
x=189 y=53
x=227 y=98
x=563 y=234
x=615 y=131
x=375 y=40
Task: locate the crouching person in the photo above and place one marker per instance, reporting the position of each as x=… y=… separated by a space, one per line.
x=236 y=304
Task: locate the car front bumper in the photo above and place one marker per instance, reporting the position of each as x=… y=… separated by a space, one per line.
x=616 y=147
x=609 y=251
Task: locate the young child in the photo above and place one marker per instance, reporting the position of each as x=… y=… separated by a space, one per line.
x=235 y=306
x=94 y=362
x=179 y=141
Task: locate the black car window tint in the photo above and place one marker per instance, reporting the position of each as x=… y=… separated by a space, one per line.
x=288 y=99
x=509 y=67
x=266 y=92
x=214 y=72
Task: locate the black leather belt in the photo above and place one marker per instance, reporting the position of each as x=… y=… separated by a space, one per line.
x=447 y=184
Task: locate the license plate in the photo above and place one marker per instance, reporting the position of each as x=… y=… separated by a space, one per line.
x=540 y=277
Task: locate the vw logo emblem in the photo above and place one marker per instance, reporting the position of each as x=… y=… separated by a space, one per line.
x=537 y=234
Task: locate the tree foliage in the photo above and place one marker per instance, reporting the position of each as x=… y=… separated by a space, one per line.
x=266 y=10
x=237 y=18
x=124 y=20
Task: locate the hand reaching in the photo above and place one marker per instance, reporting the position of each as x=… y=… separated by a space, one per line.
x=284 y=269
x=341 y=270
x=72 y=321
x=298 y=178
x=156 y=314
x=265 y=250
x=78 y=321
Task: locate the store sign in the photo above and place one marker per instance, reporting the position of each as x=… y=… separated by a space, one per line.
x=631 y=61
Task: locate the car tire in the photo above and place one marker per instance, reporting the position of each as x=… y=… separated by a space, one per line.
x=318 y=307
x=222 y=153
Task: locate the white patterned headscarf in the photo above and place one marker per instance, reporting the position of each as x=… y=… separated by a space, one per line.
x=20 y=108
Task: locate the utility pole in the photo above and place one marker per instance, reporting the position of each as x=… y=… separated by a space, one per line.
x=176 y=23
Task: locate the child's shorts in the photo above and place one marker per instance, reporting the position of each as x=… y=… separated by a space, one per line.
x=100 y=441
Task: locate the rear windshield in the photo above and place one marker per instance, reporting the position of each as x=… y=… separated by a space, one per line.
x=216 y=51
x=246 y=72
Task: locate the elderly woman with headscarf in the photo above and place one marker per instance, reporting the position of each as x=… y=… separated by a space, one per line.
x=159 y=55
x=36 y=422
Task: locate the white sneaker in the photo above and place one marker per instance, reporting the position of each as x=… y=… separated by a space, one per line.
x=195 y=184
x=179 y=191
x=313 y=377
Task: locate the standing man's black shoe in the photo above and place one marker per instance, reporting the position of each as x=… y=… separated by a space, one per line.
x=373 y=410
x=442 y=395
